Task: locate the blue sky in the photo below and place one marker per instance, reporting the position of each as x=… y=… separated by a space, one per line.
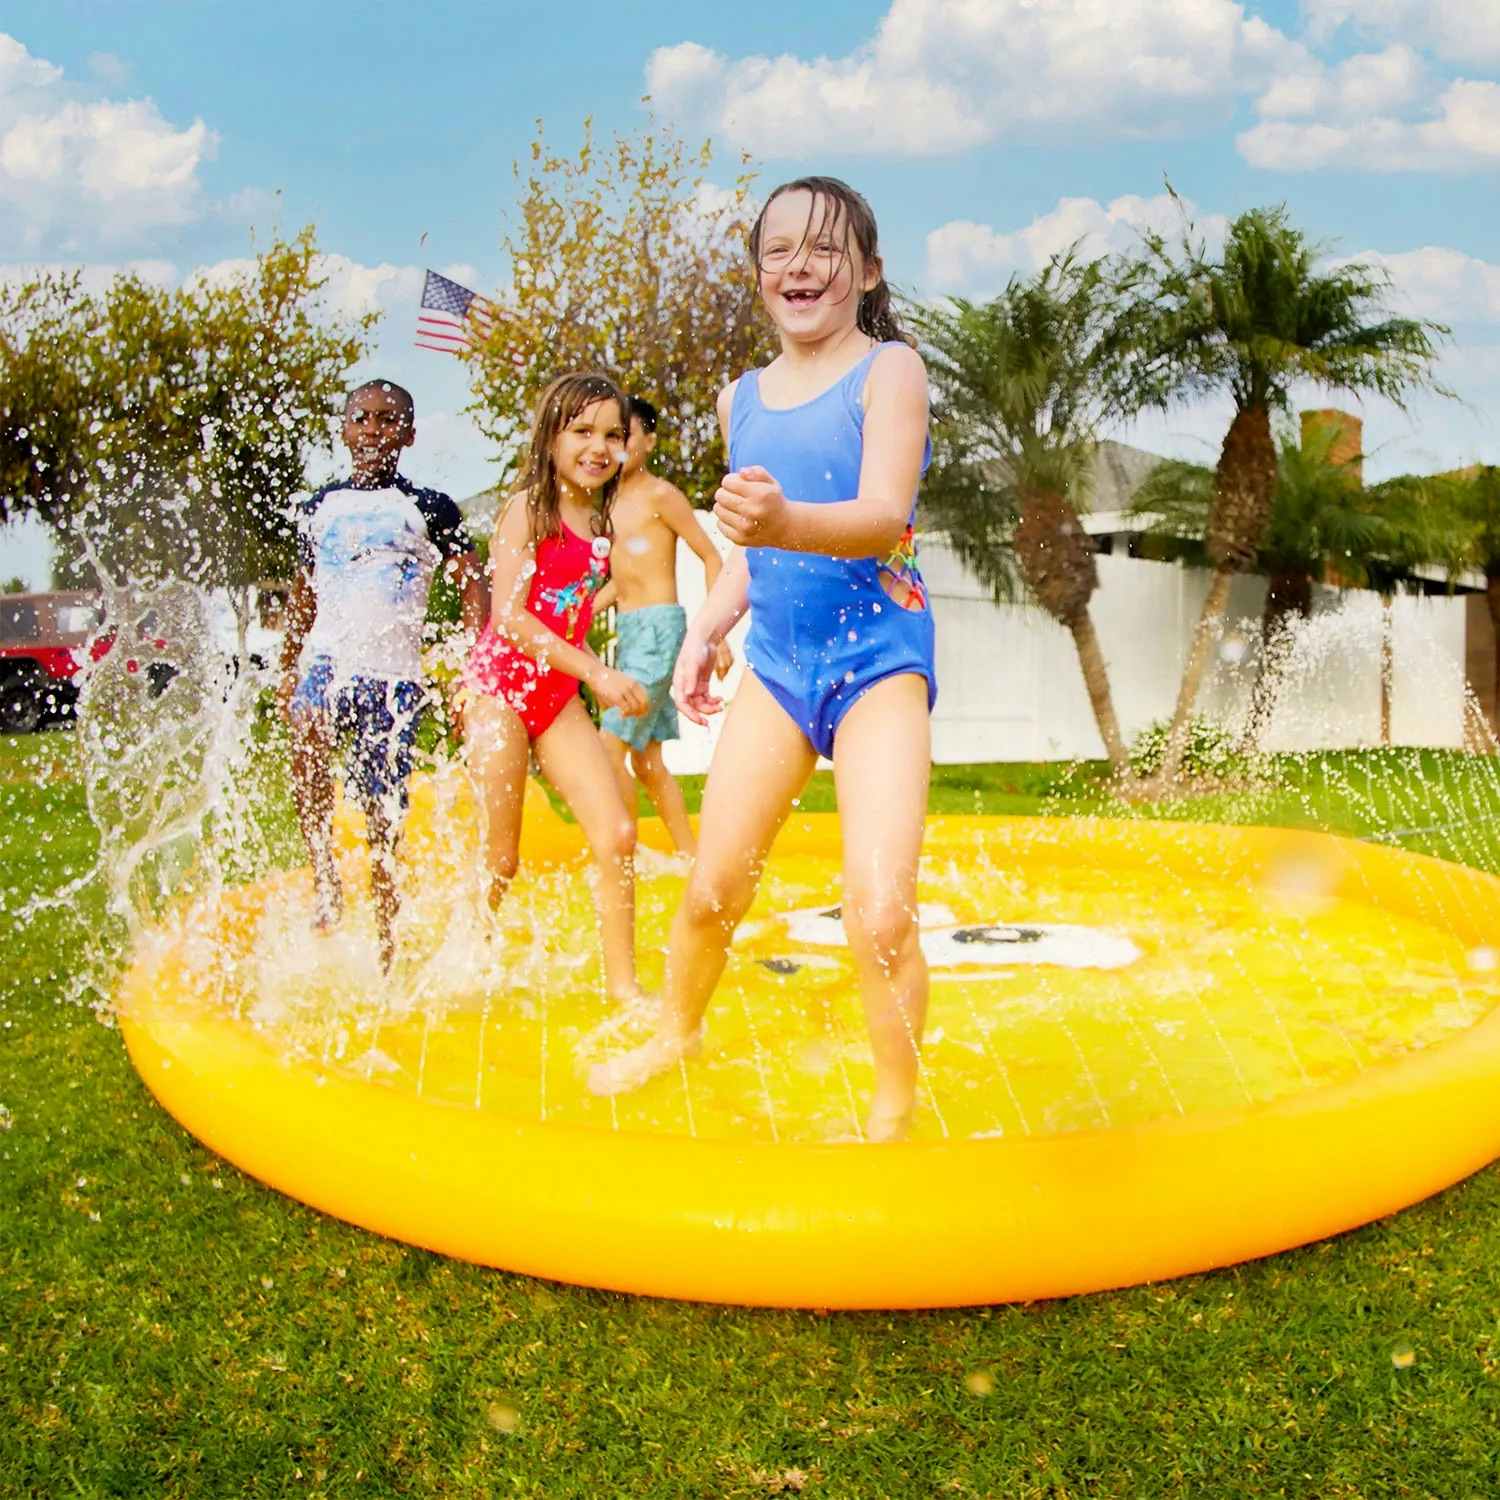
x=986 y=133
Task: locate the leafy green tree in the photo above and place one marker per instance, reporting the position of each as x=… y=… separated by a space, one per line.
x=162 y=431
x=1251 y=321
x=625 y=259
x=44 y=408
x=1023 y=384
x=1471 y=500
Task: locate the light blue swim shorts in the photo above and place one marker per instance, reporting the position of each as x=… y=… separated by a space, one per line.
x=646 y=647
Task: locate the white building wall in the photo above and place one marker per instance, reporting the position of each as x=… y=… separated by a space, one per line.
x=1010 y=688
x=1430 y=695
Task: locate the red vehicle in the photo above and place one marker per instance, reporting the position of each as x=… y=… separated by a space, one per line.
x=44 y=644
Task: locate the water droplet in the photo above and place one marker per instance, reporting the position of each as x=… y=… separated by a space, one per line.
x=848 y=676
x=1483 y=960
x=502 y=1416
x=1303 y=882
x=818 y=1057
x=853 y=635
x=979 y=1383
x=1403 y=1356
x=1234 y=649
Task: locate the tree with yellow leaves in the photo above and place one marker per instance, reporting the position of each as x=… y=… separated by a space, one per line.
x=626 y=259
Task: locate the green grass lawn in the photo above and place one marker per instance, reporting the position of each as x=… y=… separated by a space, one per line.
x=169 y=1327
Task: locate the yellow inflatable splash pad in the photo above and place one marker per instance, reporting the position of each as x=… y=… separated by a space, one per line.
x=1152 y=1048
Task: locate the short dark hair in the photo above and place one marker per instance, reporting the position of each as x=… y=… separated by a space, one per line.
x=642 y=411
x=400 y=392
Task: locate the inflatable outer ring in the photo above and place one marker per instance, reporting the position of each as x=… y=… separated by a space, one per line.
x=921 y=1224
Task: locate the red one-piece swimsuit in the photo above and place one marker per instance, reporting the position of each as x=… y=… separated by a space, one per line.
x=570 y=570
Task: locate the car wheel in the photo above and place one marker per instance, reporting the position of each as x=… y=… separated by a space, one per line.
x=20 y=706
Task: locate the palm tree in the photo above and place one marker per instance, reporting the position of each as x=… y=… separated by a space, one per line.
x=1321 y=524
x=1022 y=386
x=1472 y=499
x=1252 y=321
x=1422 y=531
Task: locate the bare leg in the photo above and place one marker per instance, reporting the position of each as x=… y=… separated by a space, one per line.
x=882 y=760
x=762 y=761
x=499 y=754
x=312 y=790
x=574 y=760
x=618 y=751
x=661 y=787
x=382 y=835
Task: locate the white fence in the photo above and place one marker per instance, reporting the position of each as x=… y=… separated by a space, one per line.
x=1009 y=686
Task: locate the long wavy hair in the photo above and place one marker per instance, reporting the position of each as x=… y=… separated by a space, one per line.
x=555 y=408
x=836 y=206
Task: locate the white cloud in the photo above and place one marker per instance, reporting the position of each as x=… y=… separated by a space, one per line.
x=1442 y=284
x=1463 y=133
x=78 y=172
x=1370 y=83
x=350 y=290
x=353 y=288
x=945 y=75
x=975 y=259
x=1466 y=31
x=95 y=276
x=1436 y=433
x=20 y=72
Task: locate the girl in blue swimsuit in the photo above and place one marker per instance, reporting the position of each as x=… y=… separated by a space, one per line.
x=827 y=445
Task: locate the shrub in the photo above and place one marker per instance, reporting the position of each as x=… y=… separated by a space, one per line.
x=1212 y=752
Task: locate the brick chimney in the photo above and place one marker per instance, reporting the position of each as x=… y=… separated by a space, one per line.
x=1347 y=451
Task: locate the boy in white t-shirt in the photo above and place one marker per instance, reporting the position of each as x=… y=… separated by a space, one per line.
x=368 y=548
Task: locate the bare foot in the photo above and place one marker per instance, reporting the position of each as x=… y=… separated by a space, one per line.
x=888 y=1124
x=619 y=1075
x=635 y=1002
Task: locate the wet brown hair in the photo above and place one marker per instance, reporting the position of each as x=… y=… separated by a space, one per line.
x=555 y=408
x=836 y=205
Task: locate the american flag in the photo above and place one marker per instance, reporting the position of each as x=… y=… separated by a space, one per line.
x=452 y=318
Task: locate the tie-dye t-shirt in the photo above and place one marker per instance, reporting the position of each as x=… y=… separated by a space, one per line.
x=372 y=554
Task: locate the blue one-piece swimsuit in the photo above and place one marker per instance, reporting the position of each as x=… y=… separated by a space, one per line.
x=824 y=630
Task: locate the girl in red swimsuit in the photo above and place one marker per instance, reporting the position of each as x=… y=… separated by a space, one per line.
x=548 y=558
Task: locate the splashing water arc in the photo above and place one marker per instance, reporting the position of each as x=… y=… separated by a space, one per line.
x=1152 y=1049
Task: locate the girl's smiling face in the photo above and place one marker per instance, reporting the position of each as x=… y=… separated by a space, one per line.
x=590 y=448
x=811 y=273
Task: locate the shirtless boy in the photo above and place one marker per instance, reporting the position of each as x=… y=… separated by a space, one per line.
x=650 y=517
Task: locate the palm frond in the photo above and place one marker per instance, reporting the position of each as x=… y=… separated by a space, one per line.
x=1264 y=313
